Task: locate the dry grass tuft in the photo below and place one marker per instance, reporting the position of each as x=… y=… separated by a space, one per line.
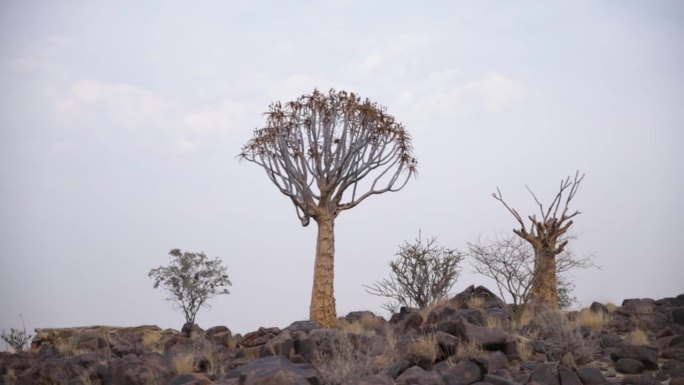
x=637 y=337
x=183 y=363
x=594 y=320
x=476 y=303
x=424 y=348
x=611 y=307
x=558 y=336
x=10 y=378
x=152 y=341
x=337 y=360
x=467 y=351
x=524 y=349
x=67 y=347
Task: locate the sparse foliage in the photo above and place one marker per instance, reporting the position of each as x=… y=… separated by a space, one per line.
x=191 y=279
x=545 y=235
x=422 y=273
x=328 y=153
x=17 y=339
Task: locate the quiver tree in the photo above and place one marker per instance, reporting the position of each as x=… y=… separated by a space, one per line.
x=545 y=235
x=328 y=153
x=509 y=261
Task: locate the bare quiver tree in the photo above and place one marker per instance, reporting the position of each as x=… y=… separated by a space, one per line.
x=191 y=279
x=328 y=153
x=422 y=273
x=509 y=261
x=545 y=235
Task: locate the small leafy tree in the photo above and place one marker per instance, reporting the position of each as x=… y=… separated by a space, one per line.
x=422 y=273
x=17 y=339
x=191 y=279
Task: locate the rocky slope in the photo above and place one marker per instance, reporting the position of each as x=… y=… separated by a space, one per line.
x=472 y=338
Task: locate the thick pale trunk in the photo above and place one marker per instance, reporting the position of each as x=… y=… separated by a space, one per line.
x=543 y=289
x=322 y=309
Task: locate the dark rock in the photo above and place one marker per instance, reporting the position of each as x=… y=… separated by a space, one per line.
x=677 y=381
x=50 y=371
x=417 y=375
x=621 y=323
x=412 y=321
x=191 y=330
x=647 y=356
x=490 y=338
x=673 y=368
x=544 y=374
x=678 y=316
x=304 y=346
x=450 y=379
x=280 y=345
x=468 y=371
x=676 y=353
x=597 y=307
x=637 y=306
x=498 y=380
x=191 y=379
x=303 y=326
x=259 y=337
x=496 y=361
x=146 y=369
x=218 y=335
x=567 y=376
x=652 y=321
x=639 y=379
x=591 y=376
x=274 y=370
x=609 y=340
x=403 y=312
x=357 y=316
x=447 y=343
x=378 y=379
x=629 y=366
x=397 y=368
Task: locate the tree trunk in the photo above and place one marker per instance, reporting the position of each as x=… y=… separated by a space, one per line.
x=322 y=308
x=543 y=289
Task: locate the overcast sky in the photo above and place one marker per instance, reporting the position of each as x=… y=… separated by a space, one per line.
x=120 y=123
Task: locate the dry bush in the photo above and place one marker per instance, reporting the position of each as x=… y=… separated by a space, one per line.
x=611 y=307
x=368 y=324
x=67 y=347
x=557 y=335
x=594 y=320
x=183 y=362
x=350 y=327
x=337 y=360
x=523 y=346
x=10 y=378
x=441 y=302
x=151 y=340
x=495 y=322
x=637 y=337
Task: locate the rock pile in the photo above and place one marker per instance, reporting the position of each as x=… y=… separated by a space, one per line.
x=471 y=339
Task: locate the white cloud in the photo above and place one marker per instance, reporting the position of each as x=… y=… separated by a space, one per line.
x=497 y=91
x=390 y=56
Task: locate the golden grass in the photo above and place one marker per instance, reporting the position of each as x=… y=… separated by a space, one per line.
x=594 y=320
x=637 y=337
x=494 y=322
x=476 y=303
x=469 y=350
x=611 y=307
x=10 y=378
x=183 y=363
x=523 y=347
x=151 y=340
x=368 y=324
x=425 y=347
x=67 y=347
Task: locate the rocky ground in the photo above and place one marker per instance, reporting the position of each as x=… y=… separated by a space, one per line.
x=472 y=338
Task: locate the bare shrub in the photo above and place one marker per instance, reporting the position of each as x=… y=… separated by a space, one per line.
x=17 y=339
x=555 y=336
x=337 y=360
x=421 y=275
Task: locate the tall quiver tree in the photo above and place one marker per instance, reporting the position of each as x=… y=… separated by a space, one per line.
x=328 y=153
x=547 y=237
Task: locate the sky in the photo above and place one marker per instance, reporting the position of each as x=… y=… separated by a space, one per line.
x=121 y=122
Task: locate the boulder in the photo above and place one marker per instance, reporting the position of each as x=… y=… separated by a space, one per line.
x=466 y=370
x=597 y=307
x=567 y=376
x=303 y=326
x=491 y=338
x=274 y=370
x=378 y=379
x=498 y=380
x=641 y=353
x=418 y=375
x=637 y=306
x=280 y=345
x=590 y=375
x=148 y=368
x=448 y=343
x=191 y=379
x=259 y=337
x=545 y=374
x=629 y=366
x=678 y=316
x=218 y=335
